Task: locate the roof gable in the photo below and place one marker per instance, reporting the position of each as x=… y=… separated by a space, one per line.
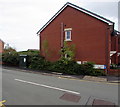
x=1 y=41
x=80 y=9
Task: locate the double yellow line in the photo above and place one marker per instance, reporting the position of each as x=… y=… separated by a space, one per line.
x=1 y=103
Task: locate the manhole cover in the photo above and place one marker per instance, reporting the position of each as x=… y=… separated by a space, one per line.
x=103 y=102
x=70 y=97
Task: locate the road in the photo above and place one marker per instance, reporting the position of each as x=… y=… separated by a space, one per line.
x=23 y=88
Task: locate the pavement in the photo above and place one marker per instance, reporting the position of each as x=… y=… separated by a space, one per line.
x=109 y=79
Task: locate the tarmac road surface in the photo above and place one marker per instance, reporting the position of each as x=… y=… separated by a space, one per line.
x=21 y=88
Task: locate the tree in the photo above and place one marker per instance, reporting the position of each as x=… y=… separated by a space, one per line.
x=9 y=49
x=67 y=52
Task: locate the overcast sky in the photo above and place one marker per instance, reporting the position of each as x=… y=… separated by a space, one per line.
x=21 y=19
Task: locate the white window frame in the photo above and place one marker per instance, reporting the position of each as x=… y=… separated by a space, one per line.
x=68 y=30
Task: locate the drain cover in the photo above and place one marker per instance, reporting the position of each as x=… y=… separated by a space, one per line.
x=102 y=102
x=70 y=97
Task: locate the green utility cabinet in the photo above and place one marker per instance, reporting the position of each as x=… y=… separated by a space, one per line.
x=23 y=61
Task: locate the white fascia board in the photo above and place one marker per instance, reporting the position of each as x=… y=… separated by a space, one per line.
x=38 y=34
x=110 y=23
x=52 y=18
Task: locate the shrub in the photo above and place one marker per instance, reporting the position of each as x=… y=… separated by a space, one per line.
x=98 y=72
x=37 y=62
x=114 y=66
x=29 y=52
x=64 y=65
x=71 y=67
x=59 y=66
x=10 y=58
x=67 y=53
x=88 y=69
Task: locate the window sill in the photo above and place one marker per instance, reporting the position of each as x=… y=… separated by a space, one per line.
x=68 y=40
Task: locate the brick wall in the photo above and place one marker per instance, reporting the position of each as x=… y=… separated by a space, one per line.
x=1 y=46
x=115 y=72
x=88 y=35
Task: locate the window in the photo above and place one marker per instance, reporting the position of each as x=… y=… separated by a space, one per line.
x=68 y=34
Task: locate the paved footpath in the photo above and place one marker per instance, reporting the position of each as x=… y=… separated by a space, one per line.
x=108 y=79
x=27 y=87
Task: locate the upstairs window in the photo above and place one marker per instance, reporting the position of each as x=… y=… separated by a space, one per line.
x=68 y=34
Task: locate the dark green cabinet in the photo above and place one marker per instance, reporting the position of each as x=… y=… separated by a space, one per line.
x=23 y=61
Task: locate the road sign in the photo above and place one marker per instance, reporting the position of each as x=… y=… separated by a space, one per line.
x=100 y=66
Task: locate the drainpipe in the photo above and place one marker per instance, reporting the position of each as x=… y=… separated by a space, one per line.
x=117 y=50
x=107 y=50
x=40 y=49
x=62 y=35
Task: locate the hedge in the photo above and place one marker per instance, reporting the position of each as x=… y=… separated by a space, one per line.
x=37 y=62
x=10 y=58
x=73 y=68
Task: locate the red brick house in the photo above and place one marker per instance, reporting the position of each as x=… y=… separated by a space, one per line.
x=115 y=48
x=92 y=35
x=1 y=46
x=1 y=50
